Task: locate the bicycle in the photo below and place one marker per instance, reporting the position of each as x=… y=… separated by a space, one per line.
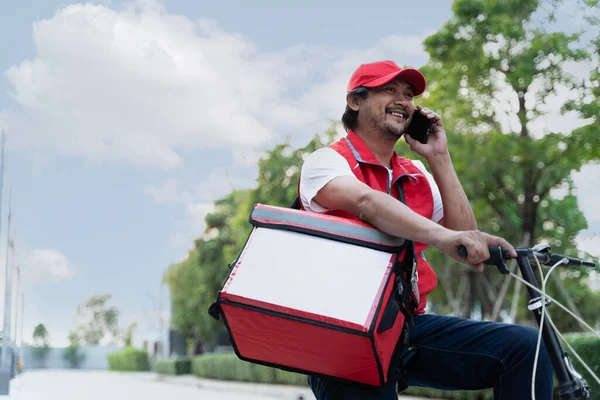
x=571 y=384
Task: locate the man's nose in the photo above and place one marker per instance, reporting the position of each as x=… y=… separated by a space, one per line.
x=403 y=101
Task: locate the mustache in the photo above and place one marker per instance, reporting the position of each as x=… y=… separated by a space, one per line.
x=404 y=110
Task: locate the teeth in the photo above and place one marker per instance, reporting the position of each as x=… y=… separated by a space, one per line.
x=397 y=115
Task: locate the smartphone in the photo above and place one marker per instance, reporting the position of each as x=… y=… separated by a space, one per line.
x=419 y=127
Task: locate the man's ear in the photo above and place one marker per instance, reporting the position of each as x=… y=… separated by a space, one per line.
x=353 y=101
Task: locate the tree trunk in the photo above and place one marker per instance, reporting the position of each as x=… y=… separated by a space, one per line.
x=447 y=282
x=501 y=295
x=485 y=295
x=515 y=301
x=460 y=293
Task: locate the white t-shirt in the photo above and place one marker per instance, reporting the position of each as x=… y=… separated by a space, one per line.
x=323 y=165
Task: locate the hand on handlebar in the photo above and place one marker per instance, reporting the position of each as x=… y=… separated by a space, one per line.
x=476 y=244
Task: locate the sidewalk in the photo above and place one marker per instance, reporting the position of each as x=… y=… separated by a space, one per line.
x=273 y=391
x=266 y=390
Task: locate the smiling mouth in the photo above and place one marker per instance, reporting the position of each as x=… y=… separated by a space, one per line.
x=398 y=114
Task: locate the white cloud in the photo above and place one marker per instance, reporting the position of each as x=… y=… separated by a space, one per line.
x=47 y=265
x=137 y=85
x=587 y=182
x=140 y=84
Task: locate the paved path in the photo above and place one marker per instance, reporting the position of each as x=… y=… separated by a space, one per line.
x=100 y=385
x=104 y=385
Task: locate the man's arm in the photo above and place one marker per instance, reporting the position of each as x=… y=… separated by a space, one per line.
x=378 y=209
x=458 y=214
x=394 y=218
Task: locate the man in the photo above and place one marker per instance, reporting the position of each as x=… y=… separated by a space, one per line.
x=361 y=177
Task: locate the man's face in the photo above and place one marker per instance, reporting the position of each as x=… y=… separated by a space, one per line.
x=388 y=108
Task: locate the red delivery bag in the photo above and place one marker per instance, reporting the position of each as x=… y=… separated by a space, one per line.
x=319 y=295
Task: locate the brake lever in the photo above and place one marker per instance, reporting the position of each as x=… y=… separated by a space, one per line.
x=497 y=256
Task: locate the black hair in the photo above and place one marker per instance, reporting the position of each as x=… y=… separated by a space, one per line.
x=350 y=117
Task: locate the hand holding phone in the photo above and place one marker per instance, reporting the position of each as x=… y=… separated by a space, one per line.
x=420 y=127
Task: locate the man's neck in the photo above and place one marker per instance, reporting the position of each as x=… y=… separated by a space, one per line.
x=381 y=147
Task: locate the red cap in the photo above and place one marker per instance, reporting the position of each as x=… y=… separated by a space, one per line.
x=381 y=72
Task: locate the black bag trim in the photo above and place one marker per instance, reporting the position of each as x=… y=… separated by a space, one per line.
x=405 y=298
x=377 y=360
x=335 y=228
x=392 y=309
x=378 y=310
x=295 y=318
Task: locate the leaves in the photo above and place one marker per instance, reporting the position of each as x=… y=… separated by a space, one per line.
x=508 y=173
x=96 y=321
x=40 y=333
x=41 y=343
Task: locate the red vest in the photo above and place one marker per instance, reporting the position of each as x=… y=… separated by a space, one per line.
x=417 y=192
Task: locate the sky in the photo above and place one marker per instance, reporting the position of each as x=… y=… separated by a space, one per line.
x=126 y=120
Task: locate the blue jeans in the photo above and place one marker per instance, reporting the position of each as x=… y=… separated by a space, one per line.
x=461 y=354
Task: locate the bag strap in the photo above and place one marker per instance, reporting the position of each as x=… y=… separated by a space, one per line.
x=296 y=204
x=404 y=299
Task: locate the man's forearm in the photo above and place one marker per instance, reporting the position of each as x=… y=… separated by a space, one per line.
x=458 y=214
x=394 y=218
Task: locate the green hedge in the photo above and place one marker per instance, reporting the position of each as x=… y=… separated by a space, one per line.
x=226 y=366
x=587 y=345
x=129 y=359
x=174 y=366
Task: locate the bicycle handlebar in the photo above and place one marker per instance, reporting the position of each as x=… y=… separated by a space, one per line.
x=571 y=384
x=498 y=255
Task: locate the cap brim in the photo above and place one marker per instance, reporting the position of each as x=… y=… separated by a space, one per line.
x=414 y=78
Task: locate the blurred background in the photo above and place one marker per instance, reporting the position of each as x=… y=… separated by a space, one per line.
x=136 y=137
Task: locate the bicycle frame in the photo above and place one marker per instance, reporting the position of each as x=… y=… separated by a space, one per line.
x=572 y=386
x=570 y=383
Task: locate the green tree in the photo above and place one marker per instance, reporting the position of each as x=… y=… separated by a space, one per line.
x=129 y=333
x=96 y=320
x=41 y=343
x=72 y=353
x=493 y=72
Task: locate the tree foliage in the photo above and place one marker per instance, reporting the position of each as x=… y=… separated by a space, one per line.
x=493 y=73
x=72 y=353
x=40 y=335
x=41 y=342
x=129 y=334
x=96 y=320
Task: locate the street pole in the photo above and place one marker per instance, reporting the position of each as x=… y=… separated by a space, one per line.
x=21 y=352
x=17 y=288
x=2 y=348
x=7 y=294
x=160 y=322
x=5 y=369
